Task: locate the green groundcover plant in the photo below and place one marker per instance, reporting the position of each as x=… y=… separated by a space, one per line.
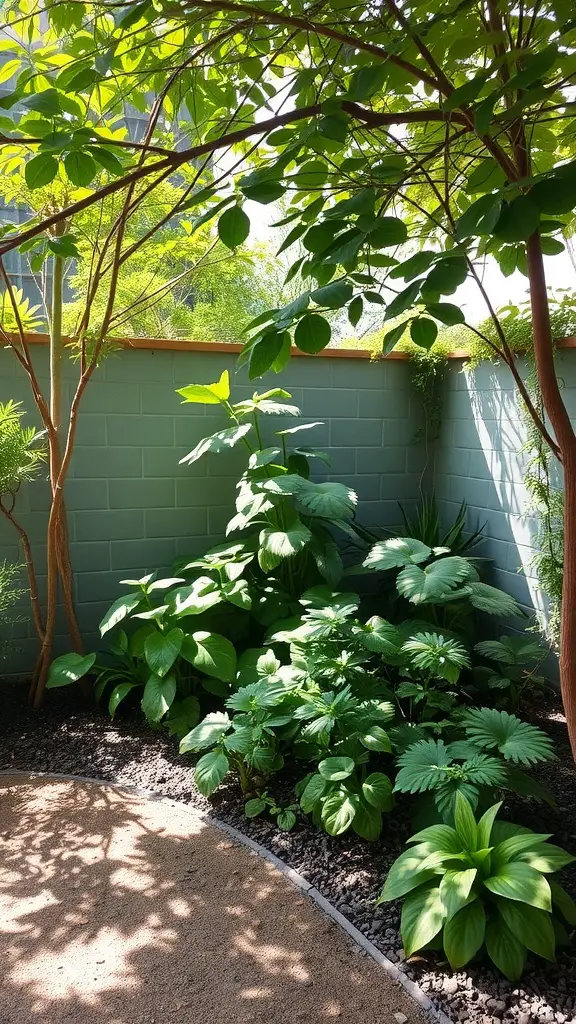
x=482 y=885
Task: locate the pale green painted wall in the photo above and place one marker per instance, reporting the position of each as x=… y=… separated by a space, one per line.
x=132 y=508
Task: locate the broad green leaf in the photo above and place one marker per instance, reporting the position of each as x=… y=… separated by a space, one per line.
x=455 y=890
x=214 y=655
x=504 y=949
x=80 y=168
x=158 y=695
x=334 y=769
x=465 y=823
x=118 y=611
x=210 y=771
x=442 y=837
x=266 y=351
x=485 y=825
x=234 y=227
x=117 y=696
x=40 y=170
x=333 y=295
x=511 y=849
x=376 y=738
x=254 y=807
x=367 y=821
x=403 y=301
x=162 y=649
x=286 y=820
x=182 y=716
x=208 y=394
x=518 y=220
x=563 y=902
x=422 y=918
x=423 y=332
x=68 y=668
x=517 y=741
x=464 y=934
x=406 y=873
x=338 y=811
x=391 y=338
x=277 y=544
x=312 y=333
x=397 y=551
x=221 y=441
x=531 y=926
x=387 y=231
x=518 y=881
x=446 y=312
x=546 y=857
x=313 y=791
x=193 y=599
x=379 y=636
x=377 y=791
x=207 y=734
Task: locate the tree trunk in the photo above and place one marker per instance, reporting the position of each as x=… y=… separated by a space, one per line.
x=566 y=438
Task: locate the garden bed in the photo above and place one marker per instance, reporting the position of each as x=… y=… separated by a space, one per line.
x=72 y=738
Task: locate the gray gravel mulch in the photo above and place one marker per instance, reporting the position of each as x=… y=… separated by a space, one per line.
x=67 y=736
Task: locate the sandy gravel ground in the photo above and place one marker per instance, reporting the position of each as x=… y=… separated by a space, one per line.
x=121 y=910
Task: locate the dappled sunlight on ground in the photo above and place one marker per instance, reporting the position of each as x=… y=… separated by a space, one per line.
x=121 y=910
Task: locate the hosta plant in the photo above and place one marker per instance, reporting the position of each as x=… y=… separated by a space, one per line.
x=285 y=815
x=481 y=886
x=485 y=759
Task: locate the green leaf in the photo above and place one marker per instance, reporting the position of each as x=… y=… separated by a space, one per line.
x=252 y=808
x=485 y=825
x=234 y=227
x=403 y=301
x=367 y=81
x=531 y=926
x=68 y=668
x=46 y=102
x=387 y=231
x=367 y=822
x=221 y=441
x=193 y=599
x=161 y=650
x=434 y=583
x=446 y=312
x=446 y=276
x=464 y=934
x=338 y=811
x=312 y=333
x=80 y=168
x=159 y=693
x=554 y=195
x=443 y=837
x=379 y=636
x=355 y=310
x=518 y=881
x=335 y=126
x=563 y=902
x=334 y=769
x=465 y=823
x=277 y=544
x=546 y=857
x=513 y=847
x=214 y=655
x=313 y=792
x=118 y=611
x=40 y=170
x=423 y=332
x=266 y=351
x=391 y=338
x=479 y=218
x=334 y=295
x=455 y=890
x=406 y=873
x=377 y=791
x=286 y=820
x=517 y=741
x=415 y=266
x=208 y=394
x=465 y=94
x=106 y=159
x=396 y=552
x=117 y=696
x=504 y=950
x=422 y=918
x=182 y=716
x=376 y=738
x=264 y=192
x=518 y=220
x=207 y=734
x=210 y=771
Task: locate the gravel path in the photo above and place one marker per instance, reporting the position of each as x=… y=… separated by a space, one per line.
x=118 y=908
x=66 y=737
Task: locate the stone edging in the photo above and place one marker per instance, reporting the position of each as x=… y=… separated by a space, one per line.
x=391 y=969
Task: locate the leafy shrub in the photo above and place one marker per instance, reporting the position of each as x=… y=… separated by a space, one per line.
x=485 y=759
x=10 y=591
x=517 y=659
x=481 y=885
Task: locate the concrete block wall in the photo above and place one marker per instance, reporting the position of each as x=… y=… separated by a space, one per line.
x=479 y=457
x=133 y=508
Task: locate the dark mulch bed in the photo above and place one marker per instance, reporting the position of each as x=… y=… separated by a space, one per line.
x=69 y=737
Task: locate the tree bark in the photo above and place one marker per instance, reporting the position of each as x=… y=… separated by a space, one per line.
x=566 y=438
